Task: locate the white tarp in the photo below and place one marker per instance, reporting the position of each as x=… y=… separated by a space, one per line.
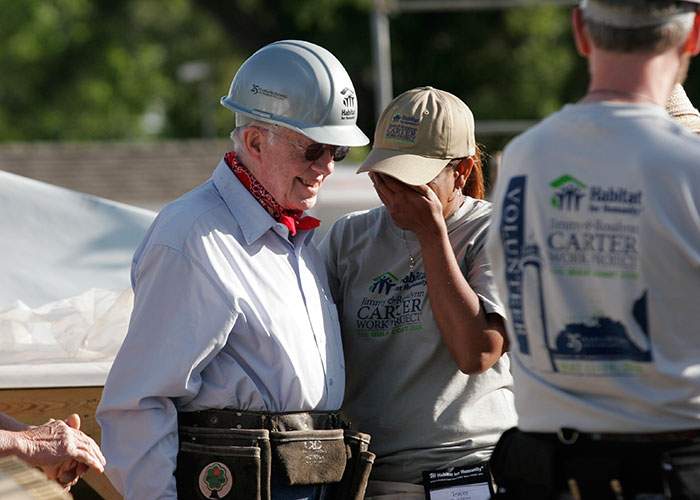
x=65 y=295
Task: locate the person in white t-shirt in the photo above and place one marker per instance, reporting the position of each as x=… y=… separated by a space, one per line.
x=422 y=327
x=595 y=246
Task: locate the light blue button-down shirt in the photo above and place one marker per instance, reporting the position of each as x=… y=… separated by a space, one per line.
x=228 y=312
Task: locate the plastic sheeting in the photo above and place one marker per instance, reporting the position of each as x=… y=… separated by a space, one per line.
x=65 y=296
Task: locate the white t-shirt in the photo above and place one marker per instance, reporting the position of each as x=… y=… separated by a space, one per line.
x=403 y=387
x=595 y=245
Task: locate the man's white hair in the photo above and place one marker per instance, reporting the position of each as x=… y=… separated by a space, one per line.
x=242 y=124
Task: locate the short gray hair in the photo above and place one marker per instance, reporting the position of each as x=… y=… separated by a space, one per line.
x=242 y=125
x=675 y=20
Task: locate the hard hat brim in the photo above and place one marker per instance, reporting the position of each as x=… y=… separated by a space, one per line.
x=336 y=135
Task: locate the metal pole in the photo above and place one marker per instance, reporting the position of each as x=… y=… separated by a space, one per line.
x=381 y=56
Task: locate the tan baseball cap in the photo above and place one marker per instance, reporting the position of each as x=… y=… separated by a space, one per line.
x=682 y=110
x=418 y=133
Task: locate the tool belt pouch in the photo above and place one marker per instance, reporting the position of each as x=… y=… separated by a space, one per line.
x=213 y=463
x=309 y=457
x=360 y=476
x=521 y=462
x=359 y=464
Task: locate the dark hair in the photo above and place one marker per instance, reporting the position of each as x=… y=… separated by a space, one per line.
x=474 y=186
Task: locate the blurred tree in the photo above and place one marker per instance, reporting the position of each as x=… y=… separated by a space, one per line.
x=505 y=64
x=78 y=69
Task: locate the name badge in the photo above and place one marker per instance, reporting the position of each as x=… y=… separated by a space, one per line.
x=458 y=483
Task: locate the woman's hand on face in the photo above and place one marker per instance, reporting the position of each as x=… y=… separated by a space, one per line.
x=413 y=208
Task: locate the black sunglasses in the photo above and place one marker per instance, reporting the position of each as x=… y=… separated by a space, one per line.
x=315 y=150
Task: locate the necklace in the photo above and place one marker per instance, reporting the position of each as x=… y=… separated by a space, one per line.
x=411 y=258
x=621 y=93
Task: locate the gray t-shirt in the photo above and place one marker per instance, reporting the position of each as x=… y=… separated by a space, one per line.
x=595 y=245
x=403 y=387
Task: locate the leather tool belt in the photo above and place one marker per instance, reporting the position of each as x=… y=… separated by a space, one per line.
x=231 y=454
x=596 y=466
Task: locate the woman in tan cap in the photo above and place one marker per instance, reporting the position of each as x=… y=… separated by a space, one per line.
x=422 y=326
x=682 y=110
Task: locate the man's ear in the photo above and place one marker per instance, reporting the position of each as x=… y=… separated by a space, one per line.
x=462 y=172
x=583 y=44
x=252 y=140
x=692 y=43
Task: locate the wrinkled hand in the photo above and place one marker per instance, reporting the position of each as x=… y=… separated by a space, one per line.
x=413 y=208
x=62 y=451
x=68 y=472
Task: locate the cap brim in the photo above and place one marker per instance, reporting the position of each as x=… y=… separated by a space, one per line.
x=409 y=169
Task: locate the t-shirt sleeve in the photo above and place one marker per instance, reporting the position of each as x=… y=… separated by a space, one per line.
x=328 y=248
x=480 y=276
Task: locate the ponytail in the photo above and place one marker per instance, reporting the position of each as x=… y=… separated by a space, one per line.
x=474 y=186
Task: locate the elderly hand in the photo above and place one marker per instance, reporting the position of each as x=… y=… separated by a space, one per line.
x=413 y=208
x=68 y=472
x=60 y=449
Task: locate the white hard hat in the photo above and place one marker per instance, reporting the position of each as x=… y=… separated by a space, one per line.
x=300 y=86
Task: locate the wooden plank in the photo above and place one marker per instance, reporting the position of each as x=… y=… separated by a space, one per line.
x=37 y=406
x=20 y=481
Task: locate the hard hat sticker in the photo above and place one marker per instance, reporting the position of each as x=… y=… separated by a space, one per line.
x=215 y=480
x=257 y=89
x=349 y=110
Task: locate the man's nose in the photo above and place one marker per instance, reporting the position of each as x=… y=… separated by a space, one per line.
x=325 y=163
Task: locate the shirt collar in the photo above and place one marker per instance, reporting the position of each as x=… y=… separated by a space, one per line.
x=294 y=220
x=253 y=219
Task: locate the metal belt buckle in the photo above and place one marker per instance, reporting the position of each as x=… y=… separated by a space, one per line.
x=567 y=436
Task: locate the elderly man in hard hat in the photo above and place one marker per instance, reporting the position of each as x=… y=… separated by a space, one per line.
x=229 y=378
x=595 y=245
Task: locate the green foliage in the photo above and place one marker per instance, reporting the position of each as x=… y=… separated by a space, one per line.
x=78 y=69
x=86 y=70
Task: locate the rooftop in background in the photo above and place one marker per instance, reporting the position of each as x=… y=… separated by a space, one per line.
x=147 y=174
x=150 y=174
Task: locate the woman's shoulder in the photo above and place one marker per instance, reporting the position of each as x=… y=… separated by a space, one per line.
x=358 y=221
x=473 y=213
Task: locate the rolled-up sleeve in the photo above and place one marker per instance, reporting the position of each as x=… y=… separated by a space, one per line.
x=181 y=320
x=480 y=276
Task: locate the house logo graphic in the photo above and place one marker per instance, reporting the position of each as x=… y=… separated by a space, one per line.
x=383 y=283
x=568 y=193
x=349 y=109
x=349 y=97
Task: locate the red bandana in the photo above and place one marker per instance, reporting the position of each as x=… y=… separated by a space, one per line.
x=293 y=219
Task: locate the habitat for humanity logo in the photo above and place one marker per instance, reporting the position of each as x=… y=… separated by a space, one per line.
x=403 y=128
x=349 y=110
x=568 y=193
x=383 y=283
